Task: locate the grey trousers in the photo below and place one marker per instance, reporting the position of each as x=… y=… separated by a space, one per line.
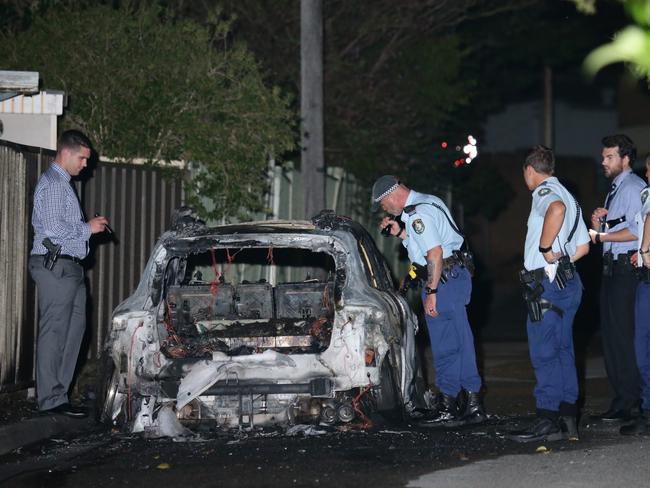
x=62 y=307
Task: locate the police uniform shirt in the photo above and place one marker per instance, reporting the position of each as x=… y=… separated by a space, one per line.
x=549 y=191
x=624 y=203
x=428 y=227
x=641 y=217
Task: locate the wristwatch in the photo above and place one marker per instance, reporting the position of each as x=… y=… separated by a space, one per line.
x=641 y=251
x=430 y=291
x=544 y=250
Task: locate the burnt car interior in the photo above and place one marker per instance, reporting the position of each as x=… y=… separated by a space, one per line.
x=247 y=300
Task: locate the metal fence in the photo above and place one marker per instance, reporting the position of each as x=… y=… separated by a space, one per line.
x=139 y=203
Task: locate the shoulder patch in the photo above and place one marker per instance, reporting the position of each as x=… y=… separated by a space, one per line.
x=418 y=226
x=644 y=195
x=544 y=191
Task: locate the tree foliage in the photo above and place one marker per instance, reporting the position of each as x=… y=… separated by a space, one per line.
x=630 y=45
x=393 y=77
x=144 y=83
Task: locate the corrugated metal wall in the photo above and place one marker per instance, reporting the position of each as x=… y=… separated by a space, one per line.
x=138 y=202
x=15 y=330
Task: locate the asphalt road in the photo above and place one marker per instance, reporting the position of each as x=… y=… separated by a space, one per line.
x=387 y=456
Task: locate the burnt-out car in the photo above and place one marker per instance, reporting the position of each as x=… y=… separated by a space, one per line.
x=260 y=323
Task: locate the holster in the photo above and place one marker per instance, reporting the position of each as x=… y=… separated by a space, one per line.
x=48 y=260
x=608 y=264
x=643 y=274
x=465 y=259
x=533 y=289
x=52 y=254
x=416 y=274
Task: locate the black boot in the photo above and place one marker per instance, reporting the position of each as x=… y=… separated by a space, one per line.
x=569 y=426
x=445 y=411
x=546 y=427
x=640 y=425
x=569 y=421
x=473 y=411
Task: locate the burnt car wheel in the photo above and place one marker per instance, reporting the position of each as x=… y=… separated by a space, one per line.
x=108 y=391
x=388 y=397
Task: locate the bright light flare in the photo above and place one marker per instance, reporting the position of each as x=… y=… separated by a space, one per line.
x=471 y=149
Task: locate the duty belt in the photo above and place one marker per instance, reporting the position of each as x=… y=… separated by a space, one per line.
x=621 y=262
x=70 y=258
x=66 y=257
x=526 y=276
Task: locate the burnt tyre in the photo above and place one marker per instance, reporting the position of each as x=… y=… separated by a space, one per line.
x=108 y=396
x=387 y=395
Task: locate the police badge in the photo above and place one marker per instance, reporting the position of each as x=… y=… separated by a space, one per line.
x=418 y=226
x=544 y=191
x=644 y=196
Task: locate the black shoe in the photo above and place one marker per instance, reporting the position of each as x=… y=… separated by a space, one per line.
x=542 y=429
x=474 y=411
x=445 y=411
x=614 y=415
x=67 y=410
x=640 y=426
x=569 y=427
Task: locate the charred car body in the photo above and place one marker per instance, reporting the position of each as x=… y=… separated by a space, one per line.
x=258 y=323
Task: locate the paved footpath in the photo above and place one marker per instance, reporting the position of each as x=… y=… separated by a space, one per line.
x=617 y=465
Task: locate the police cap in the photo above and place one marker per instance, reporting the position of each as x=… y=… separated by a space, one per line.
x=384 y=186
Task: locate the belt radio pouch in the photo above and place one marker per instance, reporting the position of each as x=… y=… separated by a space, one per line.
x=608 y=264
x=565 y=272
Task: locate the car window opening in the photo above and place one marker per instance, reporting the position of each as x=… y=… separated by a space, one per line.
x=247 y=300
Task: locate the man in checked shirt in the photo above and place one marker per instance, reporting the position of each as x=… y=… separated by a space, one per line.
x=57 y=215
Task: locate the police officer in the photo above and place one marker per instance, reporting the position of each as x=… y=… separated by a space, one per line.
x=614 y=226
x=642 y=311
x=556 y=238
x=433 y=241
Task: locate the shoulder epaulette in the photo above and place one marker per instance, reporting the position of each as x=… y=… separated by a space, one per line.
x=410 y=209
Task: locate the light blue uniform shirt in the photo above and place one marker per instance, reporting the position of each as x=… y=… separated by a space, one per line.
x=625 y=202
x=57 y=214
x=641 y=218
x=549 y=191
x=428 y=227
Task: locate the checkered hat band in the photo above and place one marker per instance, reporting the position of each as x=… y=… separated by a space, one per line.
x=387 y=192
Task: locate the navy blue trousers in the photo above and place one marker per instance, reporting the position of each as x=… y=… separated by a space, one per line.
x=452 y=342
x=642 y=340
x=550 y=343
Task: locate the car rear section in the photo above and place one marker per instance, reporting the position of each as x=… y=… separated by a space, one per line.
x=257 y=325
